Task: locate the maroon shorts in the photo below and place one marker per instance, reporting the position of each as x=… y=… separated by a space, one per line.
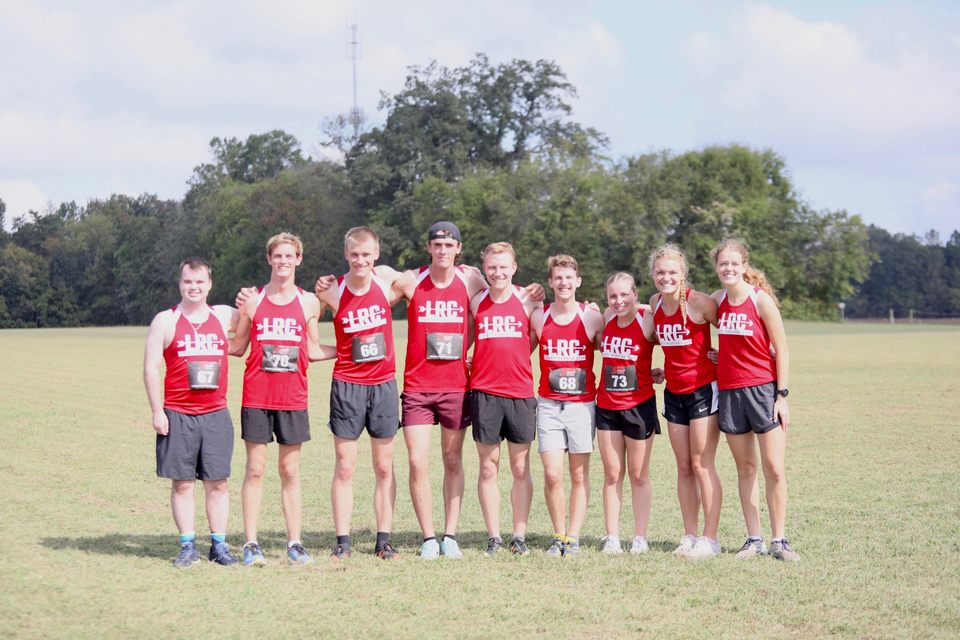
x=448 y=408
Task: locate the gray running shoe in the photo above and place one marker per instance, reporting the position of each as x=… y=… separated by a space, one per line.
x=704 y=548
x=752 y=548
x=494 y=546
x=519 y=546
x=686 y=544
x=220 y=553
x=780 y=549
x=187 y=556
x=252 y=555
x=571 y=548
x=450 y=549
x=556 y=548
x=639 y=546
x=610 y=545
x=298 y=555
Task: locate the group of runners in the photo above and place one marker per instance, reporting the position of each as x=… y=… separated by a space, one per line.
x=740 y=390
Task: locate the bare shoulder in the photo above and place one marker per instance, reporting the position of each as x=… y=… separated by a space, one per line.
x=717 y=296
x=701 y=301
x=654 y=299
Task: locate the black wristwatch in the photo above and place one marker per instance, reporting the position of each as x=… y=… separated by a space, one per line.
x=783 y=393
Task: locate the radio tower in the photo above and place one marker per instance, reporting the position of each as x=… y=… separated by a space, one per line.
x=356 y=116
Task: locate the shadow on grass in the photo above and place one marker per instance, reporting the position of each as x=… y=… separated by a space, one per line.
x=162 y=545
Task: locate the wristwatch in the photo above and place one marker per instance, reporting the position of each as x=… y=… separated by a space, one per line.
x=783 y=393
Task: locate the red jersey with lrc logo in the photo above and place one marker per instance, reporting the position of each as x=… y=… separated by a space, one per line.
x=744 y=359
x=566 y=360
x=276 y=373
x=501 y=356
x=364 y=331
x=437 y=335
x=196 y=359
x=627 y=357
x=685 y=347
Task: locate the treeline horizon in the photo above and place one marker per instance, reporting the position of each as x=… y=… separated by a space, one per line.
x=493 y=149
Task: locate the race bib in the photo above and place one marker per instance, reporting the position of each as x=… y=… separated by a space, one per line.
x=280 y=358
x=369 y=348
x=569 y=381
x=444 y=346
x=620 y=378
x=203 y=374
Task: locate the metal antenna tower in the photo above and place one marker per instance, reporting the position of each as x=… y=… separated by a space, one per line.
x=356 y=116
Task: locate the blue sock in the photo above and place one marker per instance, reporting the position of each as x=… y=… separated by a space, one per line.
x=187 y=537
x=217 y=538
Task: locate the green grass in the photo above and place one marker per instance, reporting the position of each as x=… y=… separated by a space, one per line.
x=874 y=509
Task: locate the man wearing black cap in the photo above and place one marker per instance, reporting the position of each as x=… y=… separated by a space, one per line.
x=435 y=376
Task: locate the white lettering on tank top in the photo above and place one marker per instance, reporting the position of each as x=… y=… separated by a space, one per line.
x=364 y=318
x=735 y=324
x=440 y=311
x=562 y=350
x=619 y=348
x=499 y=327
x=673 y=335
x=285 y=329
x=200 y=344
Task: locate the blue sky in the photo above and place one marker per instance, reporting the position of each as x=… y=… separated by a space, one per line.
x=862 y=99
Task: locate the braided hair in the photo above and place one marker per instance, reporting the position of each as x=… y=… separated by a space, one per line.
x=671 y=250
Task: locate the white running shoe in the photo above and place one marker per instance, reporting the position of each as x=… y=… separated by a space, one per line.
x=611 y=546
x=686 y=544
x=704 y=548
x=639 y=546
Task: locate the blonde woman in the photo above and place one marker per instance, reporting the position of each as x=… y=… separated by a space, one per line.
x=681 y=320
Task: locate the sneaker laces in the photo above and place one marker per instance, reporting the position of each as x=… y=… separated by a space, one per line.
x=750 y=542
x=299 y=549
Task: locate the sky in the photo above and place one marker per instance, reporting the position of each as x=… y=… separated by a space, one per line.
x=860 y=98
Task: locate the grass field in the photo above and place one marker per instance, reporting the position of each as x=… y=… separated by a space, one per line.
x=874 y=509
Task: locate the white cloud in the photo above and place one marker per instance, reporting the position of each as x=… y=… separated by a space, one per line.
x=21 y=196
x=819 y=87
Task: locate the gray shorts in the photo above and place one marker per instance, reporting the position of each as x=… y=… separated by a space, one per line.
x=565 y=425
x=197 y=447
x=748 y=409
x=355 y=407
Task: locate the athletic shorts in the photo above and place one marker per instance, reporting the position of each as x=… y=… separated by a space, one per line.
x=450 y=409
x=748 y=409
x=496 y=418
x=260 y=425
x=638 y=423
x=197 y=447
x=355 y=407
x=681 y=408
x=565 y=425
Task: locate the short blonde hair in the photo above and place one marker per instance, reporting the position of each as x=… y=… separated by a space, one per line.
x=285 y=238
x=562 y=261
x=357 y=235
x=498 y=247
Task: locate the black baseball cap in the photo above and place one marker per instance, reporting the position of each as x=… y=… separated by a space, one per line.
x=443 y=230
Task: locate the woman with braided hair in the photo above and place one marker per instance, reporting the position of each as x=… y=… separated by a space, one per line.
x=681 y=320
x=753 y=381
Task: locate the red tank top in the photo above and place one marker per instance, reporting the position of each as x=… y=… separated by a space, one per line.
x=685 y=349
x=437 y=335
x=566 y=360
x=364 y=331
x=501 y=357
x=627 y=357
x=196 y=359
x=276 y=373
x=745 y=359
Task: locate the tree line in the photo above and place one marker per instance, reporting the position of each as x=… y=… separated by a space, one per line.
x=494 y=149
